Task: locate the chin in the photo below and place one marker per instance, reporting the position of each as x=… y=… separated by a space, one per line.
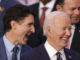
x=64 y=44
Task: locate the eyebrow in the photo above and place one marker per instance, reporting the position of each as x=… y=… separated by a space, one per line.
x=31 y=23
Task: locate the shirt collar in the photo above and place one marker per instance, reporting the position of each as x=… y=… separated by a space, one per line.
x=73 y=26
x=48 y=5
x=50 y=50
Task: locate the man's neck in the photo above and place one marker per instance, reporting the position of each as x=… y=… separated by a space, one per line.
x=11 y=38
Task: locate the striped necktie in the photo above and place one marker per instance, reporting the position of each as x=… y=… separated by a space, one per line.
x=14 y=55
x=58 y=54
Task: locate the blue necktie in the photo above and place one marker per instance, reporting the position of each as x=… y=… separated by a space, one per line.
x=14 y=55
x=58 y=56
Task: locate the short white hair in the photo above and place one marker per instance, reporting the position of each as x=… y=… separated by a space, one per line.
x=49 y=20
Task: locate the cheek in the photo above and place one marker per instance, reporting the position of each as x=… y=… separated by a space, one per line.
x=60 y=34
x=69 y=12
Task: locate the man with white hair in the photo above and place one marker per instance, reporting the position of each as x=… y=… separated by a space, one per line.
x=57 y=28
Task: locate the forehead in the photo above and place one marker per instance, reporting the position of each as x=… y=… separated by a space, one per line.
x=28 y=19
x=72 y=2
x=62 y=20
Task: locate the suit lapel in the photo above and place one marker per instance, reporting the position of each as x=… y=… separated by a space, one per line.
x=68 y=54
x=76 y=39
x=54 y=7
x=37 y=17
x=43 y=53
x=3 y=55
x=25 y=48
x=35 y=7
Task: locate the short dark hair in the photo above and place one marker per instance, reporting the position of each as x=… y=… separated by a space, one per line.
x=16 y=13
x=60 y=2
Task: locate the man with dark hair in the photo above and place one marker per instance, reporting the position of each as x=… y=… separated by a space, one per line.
x=72 y=8
x=18 y=24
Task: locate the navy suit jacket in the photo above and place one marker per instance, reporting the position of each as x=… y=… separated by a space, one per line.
x=3 y=55
x=40 y=53
x=5 y=4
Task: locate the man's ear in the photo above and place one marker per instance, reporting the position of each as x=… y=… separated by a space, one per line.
x=48 y=31
x=13 y=24
x=58 y=7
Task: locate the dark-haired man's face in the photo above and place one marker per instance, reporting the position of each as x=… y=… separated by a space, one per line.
x=24 y=28
x=72 y=8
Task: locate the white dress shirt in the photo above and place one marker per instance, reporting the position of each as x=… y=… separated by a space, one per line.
x=52 y=52
x=49 y=5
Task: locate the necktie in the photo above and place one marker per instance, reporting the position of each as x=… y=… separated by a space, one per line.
x=42 y=16
x=14 y=55
x=58 y=56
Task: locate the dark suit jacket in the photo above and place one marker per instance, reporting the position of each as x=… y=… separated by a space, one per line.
x=5 y=4
x=76 y=39
x=40 y=53
x=37 y=38
x=3 y=55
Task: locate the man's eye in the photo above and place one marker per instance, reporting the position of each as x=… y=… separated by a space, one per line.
x=73 y=9
x=64 y=28
x=79 y=8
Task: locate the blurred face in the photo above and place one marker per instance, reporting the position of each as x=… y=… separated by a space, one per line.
x=60 y=33
x=72 y=8
x=24 y=28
